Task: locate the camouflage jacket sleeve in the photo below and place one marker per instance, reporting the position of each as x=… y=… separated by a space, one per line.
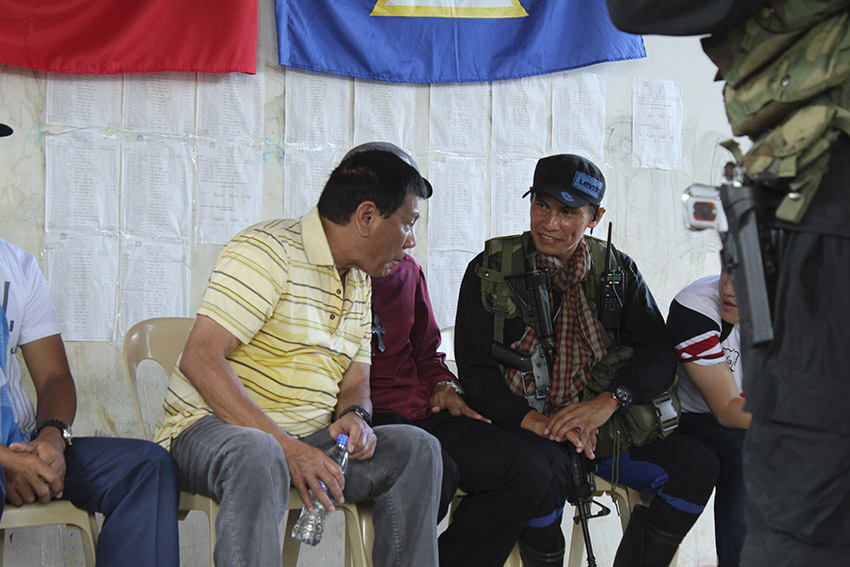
x=679 y=17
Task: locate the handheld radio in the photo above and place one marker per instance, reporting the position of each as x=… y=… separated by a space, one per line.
x=611 y=292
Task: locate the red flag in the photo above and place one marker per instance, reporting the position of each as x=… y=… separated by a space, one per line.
x=129 y=36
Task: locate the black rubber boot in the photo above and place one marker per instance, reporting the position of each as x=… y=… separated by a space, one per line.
x=644 y=545
x=534 y=558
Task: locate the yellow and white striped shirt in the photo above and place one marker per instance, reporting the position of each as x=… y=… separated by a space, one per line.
x=276 y=289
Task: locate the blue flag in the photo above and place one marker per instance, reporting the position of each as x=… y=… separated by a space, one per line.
x=448 y=41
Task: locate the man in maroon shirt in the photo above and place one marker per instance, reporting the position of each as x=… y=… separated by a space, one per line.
x=410 y=383
x=409 y=377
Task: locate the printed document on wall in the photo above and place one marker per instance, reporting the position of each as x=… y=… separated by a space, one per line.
x=81 y=181
x=160 y=102
x=656 y=124
x=521 y=117
x=578 y=115
x=230 y=105
x=82 y=271
x=445 y=272
x=155 y=276
x=305 y=173
x=317 y=109
x=455 y=221
x=509 y=211
x=230 y=190
x=384 y=112
x=156 y=187
x=84 y=100
x=460 y=118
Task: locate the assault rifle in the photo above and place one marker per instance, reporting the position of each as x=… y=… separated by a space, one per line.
x=531 y=293
x=734 y=210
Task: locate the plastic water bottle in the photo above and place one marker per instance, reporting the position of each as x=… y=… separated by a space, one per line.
x=311 y=525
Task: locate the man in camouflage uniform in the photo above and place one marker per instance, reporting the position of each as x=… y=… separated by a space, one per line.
x=786 y=64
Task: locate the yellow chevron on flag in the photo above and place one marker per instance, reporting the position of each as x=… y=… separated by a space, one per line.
x=450 y=8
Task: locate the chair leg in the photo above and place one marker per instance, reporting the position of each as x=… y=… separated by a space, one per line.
x=514 y=559
x=624 y=505
x=353 y=537
x=291 y=547
x=94 y=529
x=2 y=545
x=88 y=535
x=367 y=530
x=355 y=546
x=212 y=513
x=347 y=550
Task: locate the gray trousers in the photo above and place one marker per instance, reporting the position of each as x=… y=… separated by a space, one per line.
x=245 y=471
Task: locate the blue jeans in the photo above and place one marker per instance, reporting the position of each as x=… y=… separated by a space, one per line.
x=729 y=524
x=135 y=485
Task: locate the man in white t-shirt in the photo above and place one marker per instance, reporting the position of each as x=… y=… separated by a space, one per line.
x=133 y=483
x=703 y=321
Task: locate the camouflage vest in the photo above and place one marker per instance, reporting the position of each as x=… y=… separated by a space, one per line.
x=642 y=423
x=509 y=255
x=786 y=70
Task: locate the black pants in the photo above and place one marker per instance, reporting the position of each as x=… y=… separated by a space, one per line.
x=680 y=470
x=728 y=444
x=506 y=474
x=517 y=479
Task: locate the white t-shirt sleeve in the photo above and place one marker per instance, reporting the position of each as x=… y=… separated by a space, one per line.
x=695 y=325
x=38 y=317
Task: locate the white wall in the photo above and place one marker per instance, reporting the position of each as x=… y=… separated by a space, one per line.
x=642 y=203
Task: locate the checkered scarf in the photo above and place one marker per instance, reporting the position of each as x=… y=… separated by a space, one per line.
x=577 y=333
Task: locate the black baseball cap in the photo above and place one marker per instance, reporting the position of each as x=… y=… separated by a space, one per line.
x=5 y=131
x=392 y=149
x=571 y=179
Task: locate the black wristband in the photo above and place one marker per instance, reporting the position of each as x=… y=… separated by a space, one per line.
x=63 y=428
x=360 y=411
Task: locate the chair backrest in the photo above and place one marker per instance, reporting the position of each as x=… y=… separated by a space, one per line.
x=160 y=339
x=447 y=345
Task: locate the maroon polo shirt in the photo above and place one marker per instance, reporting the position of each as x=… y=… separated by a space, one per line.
x=404 y=375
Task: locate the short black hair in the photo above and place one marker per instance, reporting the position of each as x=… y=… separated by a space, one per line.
x=377 y=176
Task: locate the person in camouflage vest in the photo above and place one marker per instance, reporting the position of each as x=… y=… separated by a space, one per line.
x=566 y=200
x=786 y=64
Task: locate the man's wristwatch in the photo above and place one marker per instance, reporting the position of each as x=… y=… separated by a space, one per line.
x=58 y=424
x=453 y=385
x=360 y=411
x=624 y=396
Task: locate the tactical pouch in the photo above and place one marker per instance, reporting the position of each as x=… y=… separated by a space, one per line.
x=640 y=423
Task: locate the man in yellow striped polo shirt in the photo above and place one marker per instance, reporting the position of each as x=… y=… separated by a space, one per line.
x=277 y=366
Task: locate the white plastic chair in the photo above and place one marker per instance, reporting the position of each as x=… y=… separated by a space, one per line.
x=55 y=512
x=624 y=499
x=161 y=340
x=359 y=533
